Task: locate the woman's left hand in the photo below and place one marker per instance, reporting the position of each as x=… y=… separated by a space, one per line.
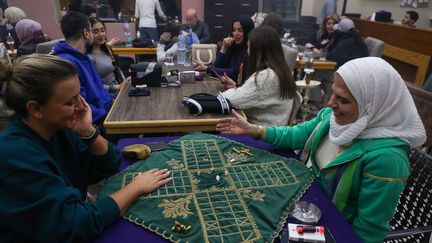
x=83 y=127
x=126 y=81
x=199 y=67
x=114 y=41
x=227 y=82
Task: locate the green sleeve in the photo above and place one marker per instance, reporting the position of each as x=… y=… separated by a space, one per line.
x=294 y=137
x=37 y=201
x=382 y=181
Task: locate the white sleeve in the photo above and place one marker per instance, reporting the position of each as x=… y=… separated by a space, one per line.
x=160 y=52
x=250 y=94
x=137 y=12
x=159 y=9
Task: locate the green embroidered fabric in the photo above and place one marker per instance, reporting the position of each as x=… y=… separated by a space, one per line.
x=221 y=191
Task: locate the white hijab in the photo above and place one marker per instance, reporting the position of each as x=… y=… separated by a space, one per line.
x=386 y=108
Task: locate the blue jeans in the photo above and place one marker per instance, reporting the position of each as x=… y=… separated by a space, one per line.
x=146 y=32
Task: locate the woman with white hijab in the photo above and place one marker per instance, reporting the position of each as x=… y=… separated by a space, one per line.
x=358 y=146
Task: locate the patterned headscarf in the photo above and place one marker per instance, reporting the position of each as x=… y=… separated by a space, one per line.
x=386 y=108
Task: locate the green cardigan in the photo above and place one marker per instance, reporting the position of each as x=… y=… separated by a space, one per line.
x=373 y=174
x=43 y=186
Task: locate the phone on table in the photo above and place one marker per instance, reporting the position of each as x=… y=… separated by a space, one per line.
x=217 y=75
x=139 y=92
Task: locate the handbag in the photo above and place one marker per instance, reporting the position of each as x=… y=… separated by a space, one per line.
x=206 y=103
x=204 y=53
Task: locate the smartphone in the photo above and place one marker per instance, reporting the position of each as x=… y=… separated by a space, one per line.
x=156 y=146
x=217 y=74
x=139 y=92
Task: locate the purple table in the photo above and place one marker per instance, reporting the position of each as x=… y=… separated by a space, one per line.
x=127 y=232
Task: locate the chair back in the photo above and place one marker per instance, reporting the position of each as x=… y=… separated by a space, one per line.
x=204 y=53
x=414 y=209
x=423 y=102
x=298 y=100
x=290 y=55
x=46 y=47
x=375 y=46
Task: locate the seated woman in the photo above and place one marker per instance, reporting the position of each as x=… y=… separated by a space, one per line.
x=104 y=60
x=168 y=42
x=324 y=34
x=50 y=153
x=346 y=43
x=11 y=17
x=267 y=95
x=29 y=33
x=358 y=146
x=233 y=52
x=276 y=21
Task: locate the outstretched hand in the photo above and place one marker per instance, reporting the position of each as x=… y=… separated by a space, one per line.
x=236 y=124
x=151 y=180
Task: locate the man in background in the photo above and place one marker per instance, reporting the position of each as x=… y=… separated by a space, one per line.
x=410 y=18
x=198 y=27
x=78 y=39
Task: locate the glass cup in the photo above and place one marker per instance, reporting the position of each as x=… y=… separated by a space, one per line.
x=300 y=56
x=323 y=55
x=10 y=41
x=169 y=60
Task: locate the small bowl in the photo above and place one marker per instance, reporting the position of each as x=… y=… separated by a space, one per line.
x=305 y=212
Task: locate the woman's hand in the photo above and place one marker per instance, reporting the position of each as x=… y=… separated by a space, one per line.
x=151 y=180
x=200 y=67
x=165 y=37
x=83 y=127
x=114 y=41
x=235 y=125
x=126 y=81
x=227 y=42
x=227 y=82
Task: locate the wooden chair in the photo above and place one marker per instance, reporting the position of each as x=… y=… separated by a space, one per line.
x=423 y=102
x=298 y=100
x=412 y=221
x=375 y=46
x=46 y=47
x=290 y=55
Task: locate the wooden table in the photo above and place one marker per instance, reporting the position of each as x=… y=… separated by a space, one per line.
x=160 y=112
x=318 y=65
x=134 y=50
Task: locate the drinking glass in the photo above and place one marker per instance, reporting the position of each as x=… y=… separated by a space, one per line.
x=10 y=41
x=169 y=60
x=323 y=55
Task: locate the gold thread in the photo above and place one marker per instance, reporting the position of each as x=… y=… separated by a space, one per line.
x=385 y=178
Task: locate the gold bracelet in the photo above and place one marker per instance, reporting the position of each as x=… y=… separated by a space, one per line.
x=260 y=130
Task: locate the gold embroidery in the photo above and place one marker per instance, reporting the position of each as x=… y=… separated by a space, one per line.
x=236 y=157
x=176 y=208
x=384 y=178
x=175 y=164
x=257 y=196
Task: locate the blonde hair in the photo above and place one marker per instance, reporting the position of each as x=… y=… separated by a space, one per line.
x=14 y=14
x=33 y=77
